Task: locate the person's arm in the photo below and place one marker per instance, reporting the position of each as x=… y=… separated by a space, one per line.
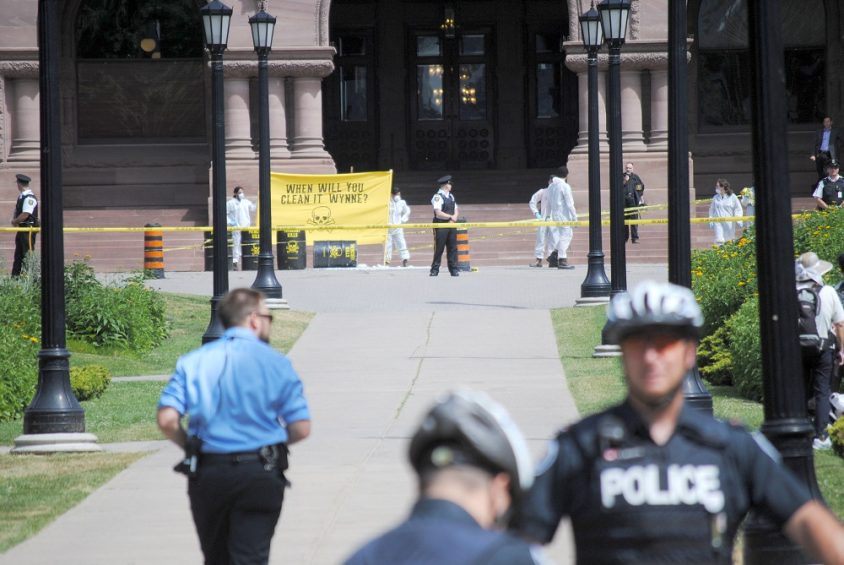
x=297 y=431
x=817 y=531
x=534 y=200
x=405 y=213
x=818 y=196
x=570 y=203
x=456 y=212
x=22 y=217
x=170 y=424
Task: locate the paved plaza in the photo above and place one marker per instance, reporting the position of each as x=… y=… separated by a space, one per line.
x=383 y=345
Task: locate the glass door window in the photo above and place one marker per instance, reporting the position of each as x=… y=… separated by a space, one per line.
x=451 y=121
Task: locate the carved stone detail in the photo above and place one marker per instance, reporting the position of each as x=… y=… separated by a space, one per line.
x=19 y=69
x=632 y=58
x=288 y=68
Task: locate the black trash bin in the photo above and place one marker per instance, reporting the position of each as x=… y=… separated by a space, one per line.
x=291 y=250
x=335 y=254
x=209 y=251
x=250 y=248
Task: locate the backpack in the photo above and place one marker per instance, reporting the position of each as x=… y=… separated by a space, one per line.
x=808 y=306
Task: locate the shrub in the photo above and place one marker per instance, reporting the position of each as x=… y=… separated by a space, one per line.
x=823 y=233
x=18 y=371
x=125 y=314
x=744 y=344
x=836 y=434
x=714 y=358
x=89 y=382
x=723 y=278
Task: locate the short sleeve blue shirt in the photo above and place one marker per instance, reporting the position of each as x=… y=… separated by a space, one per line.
x=238 y=393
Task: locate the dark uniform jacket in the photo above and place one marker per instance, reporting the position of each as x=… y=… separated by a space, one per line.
x=632 y=501
x=32 y=220
x=447 y=208
x=442 y=533
x=833 y=191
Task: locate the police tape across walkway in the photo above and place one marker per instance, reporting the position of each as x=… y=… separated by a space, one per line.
x=459 y=225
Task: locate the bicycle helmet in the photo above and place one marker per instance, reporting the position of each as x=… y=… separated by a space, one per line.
x=469 y=428
x=653 y=306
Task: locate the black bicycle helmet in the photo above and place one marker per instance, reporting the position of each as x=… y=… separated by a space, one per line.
x=654 y=306
x=469 y=428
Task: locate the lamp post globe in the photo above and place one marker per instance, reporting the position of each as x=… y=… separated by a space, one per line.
x=596 y=284
x=216 y=19
x=263 y=27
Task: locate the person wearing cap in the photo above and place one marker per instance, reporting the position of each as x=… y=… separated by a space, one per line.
x=445 y=212
x=561 y=209
x=472 y=463
x=244 y=404
x=826 y=144
x=399 y=213
x=24 y=216
x=239 y=210
x=819 y=370
x=634 y=196
x=830 y=189
x=652 y=480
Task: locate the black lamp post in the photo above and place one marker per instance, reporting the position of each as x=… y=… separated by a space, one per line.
x=679 y=233
x=216 y=18
x=596 y=283
x=263 y=26
x=614 y=15
x=786 y=424
x=54 y=410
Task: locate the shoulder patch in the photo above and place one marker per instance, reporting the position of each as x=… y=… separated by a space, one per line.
x=437 y=198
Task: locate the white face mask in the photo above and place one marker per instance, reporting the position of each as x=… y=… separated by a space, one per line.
x=719 y=190
x=240 y=196
x=396 y=198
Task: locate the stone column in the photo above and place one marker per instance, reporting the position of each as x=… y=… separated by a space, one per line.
x=238 y=128
x=25 y=119
x=659 y=110
x=632 y=136
x=278 y=120
x=583 y=105
x=307 y=124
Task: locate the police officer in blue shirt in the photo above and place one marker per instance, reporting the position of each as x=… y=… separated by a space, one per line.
x=654 y=481
x=445 y=211
x=245 y=405
x=472 y=462
x=25 y=216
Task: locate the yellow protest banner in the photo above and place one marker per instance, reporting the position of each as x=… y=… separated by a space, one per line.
x=322 y=200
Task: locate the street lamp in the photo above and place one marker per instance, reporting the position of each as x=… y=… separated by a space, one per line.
x=614 y=15
x=786 y=424
x=679 y=234
x=596 y=283
x=263 y=26
x=54 y=420
x=216 y=18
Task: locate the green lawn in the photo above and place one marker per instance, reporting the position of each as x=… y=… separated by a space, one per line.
x=35 y=489
x=597 y=383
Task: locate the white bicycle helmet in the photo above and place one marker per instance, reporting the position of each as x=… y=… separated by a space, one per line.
x=469 y=428
x=653 y=306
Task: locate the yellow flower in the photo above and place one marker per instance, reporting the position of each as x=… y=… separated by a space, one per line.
x=741 y=283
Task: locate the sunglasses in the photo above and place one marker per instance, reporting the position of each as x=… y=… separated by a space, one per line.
x=267 y=316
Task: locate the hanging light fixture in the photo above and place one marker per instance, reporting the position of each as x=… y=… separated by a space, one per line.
x=449 y=25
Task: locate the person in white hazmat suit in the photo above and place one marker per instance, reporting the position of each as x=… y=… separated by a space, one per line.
x=560 y=208
x=399 y=214
x=539 y=207
x=239 y=212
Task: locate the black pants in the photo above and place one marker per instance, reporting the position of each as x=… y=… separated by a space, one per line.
x=24 y=243
x=634 y=228
x=445 y=238
x=819 y=377
x=235 y=508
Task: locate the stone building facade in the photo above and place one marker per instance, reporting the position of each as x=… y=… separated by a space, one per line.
x=411 y=85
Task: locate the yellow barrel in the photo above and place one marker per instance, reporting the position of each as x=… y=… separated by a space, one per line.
x=153 y=252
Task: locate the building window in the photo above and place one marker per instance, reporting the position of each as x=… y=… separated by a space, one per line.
x=352 y=62
x=549 y=73
x=724 y=62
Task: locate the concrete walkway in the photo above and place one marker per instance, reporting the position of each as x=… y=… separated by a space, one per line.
x=383 y=345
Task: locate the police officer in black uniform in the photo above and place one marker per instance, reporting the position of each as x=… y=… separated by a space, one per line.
x=634 y=190
x=830 y=189
x=445 y=211
x=472 y=461
x=25 y=216
x=654 y=481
